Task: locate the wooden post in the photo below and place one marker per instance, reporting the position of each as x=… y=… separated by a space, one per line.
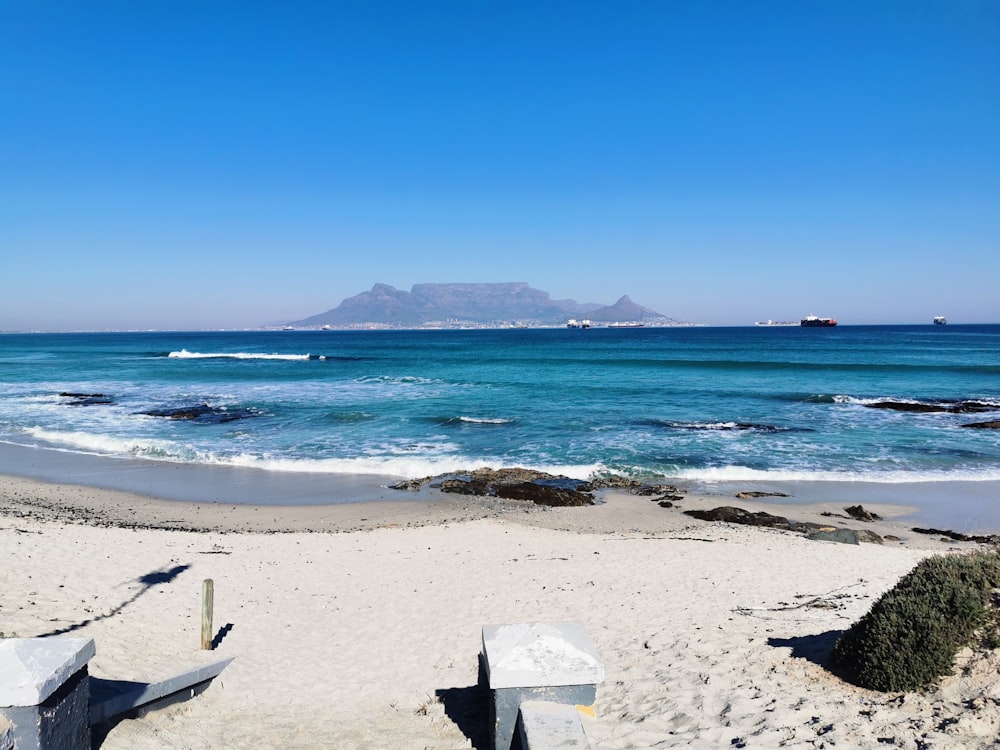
x=207 y=605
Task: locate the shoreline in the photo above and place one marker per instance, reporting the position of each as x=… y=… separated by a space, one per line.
x=300 y=501
x=616 y=512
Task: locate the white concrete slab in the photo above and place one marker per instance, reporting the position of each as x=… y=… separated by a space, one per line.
x=32 y=669
x=106 y=707
x=540 y=655
x=551 y=726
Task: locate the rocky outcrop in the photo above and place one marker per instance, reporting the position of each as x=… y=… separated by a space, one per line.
x=731 y=514
x=956 y=536
x=995 y=425
x=816 y=531
x=544 y=494
x=536 y=487
x=521 y=484
x=858 y=513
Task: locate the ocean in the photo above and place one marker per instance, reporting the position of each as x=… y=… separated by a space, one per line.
x=701 y=406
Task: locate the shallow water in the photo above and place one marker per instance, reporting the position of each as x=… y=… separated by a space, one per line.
x=701 y=405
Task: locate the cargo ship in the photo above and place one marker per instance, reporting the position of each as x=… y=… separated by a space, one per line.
x=811 y=321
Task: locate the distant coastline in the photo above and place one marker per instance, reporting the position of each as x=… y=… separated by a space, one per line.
x=454 y=325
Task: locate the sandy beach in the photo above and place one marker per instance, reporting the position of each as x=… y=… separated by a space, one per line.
x=358 y=625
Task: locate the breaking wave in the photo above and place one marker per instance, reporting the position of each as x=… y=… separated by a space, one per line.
x=185 y=354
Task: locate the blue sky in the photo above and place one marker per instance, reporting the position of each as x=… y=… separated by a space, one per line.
x=230 y=164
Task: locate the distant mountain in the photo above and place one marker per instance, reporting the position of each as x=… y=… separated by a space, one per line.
x=473 y=303
x=624 y=311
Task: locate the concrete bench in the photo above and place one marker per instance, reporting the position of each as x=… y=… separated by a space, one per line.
x=114 y=699
x=48 y=701
x=543 y=725
x=551 y=662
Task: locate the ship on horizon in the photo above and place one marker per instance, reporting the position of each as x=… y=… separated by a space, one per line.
x=812 y=321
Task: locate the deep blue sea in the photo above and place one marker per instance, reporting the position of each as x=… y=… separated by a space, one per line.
x=692 y=404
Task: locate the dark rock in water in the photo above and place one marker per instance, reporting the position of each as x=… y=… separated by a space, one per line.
x=612 y=483
x=751 y=495
x=859 y=513
x=908 y=406
x=995 y=425
x=960 y=537
x=86 y=399
x=646 y=490
x=544 y=494
x=950 y=407
x=409 y=485
x=200 y=413
x=973 y=407
x=842 y=536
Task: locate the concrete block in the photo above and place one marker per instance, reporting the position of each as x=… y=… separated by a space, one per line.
x=540 y=654
x=555 y=662
x=551 y=726
x=60 y=722
x=45 y=692
x=32 y=669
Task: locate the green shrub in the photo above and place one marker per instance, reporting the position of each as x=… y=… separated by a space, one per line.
x=911 y=635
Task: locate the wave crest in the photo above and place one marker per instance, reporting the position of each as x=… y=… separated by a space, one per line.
x=185 y=354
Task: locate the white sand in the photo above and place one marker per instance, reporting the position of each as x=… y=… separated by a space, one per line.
x=368 y=638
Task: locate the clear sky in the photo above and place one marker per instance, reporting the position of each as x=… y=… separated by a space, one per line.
x=203 y=164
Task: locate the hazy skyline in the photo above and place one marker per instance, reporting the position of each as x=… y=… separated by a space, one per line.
x=224 y=165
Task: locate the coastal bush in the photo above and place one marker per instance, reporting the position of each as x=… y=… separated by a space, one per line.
x=911 y=635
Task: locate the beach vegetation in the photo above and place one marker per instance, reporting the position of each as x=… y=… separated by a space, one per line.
x=912 y=634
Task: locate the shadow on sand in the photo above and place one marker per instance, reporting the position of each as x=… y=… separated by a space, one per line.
x=148 y=581
x=814 y=648
x=469 y=708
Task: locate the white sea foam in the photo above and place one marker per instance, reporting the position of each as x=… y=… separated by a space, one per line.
x=485 y=420
x=402 y=466
x=106 y=445
x=411 y=461
x=185 y=354
x=746 y=474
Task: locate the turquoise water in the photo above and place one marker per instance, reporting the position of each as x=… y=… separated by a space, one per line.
x=695 y=404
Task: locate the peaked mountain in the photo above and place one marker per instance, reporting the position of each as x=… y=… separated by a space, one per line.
x=624 y=310
x=474 y=303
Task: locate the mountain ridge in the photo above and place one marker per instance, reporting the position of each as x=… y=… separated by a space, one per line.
x=479 y=303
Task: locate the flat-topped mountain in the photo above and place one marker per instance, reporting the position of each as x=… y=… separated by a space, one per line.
x=473 y=303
